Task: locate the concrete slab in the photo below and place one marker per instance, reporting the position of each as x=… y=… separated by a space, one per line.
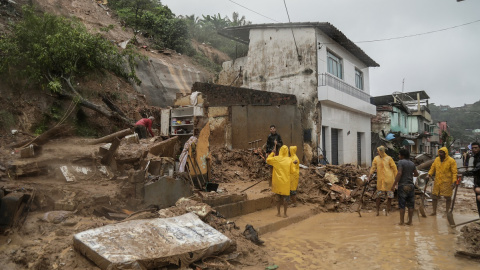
x=266 y=221
x=166 y=191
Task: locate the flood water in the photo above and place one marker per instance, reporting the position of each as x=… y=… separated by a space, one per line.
x=347 y=241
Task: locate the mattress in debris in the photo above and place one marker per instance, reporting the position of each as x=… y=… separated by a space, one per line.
x=151 y=243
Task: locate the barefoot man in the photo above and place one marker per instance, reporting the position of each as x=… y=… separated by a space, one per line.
x=445 y=169
x=281 y=177
x=386 y=171
x=406 y=189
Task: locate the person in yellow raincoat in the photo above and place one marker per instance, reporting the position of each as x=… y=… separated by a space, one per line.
x=281 y=177
x=445 y=169
x=294 y=174
x=386 y=170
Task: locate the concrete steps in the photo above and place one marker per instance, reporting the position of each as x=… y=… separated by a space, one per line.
x=265 y=221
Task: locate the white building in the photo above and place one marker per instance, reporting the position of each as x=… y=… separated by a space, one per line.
x=327 y=72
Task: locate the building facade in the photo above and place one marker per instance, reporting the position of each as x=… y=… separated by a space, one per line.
x=327 y=73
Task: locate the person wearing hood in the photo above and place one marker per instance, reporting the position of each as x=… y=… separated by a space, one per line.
x=445 y=170
x=386 y=170
x=294 y=174
x=281 y=177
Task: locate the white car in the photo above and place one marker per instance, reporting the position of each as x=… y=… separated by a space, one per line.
x=457 y=156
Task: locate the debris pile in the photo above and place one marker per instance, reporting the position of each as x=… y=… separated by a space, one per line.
x=238 y=165
x=333 y=187
x=470 y=239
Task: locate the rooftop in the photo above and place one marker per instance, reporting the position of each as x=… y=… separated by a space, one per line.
x=242 y=34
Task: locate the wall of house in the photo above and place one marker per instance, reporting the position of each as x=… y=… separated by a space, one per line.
x=399 y=121
x=348 y=124
x=413 y=124
x=350 y=62
x=382 y=121
x=273 y=65
x=232 y=72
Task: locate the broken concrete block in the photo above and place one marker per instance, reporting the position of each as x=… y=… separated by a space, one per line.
x=64 y=205
x=103 y=150
x=66 y=173
x=132 y=139
x=332 y=178
x=27 y=152
x=153 y=242
x=166 y=191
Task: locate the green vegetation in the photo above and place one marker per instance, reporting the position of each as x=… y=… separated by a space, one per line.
x=461 y=120
x=157 y=22
x=7 y=120
x=52 y=51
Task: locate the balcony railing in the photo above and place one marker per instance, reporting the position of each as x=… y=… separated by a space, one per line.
x=326 y=79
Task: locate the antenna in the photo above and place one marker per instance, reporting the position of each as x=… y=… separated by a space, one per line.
x=403 y=84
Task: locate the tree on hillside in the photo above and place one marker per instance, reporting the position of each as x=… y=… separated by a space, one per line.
x=53 y=51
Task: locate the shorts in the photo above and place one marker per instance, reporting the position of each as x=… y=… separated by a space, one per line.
x=293 y=192
x=384 y=194
x=406 y=196
x=279 y=197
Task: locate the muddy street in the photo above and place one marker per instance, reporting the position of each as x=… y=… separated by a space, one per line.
x=346 y=241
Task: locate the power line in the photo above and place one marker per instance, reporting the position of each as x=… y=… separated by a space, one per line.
x=419 y=34
x=366 y=41
x=254 y=11
x=294 y=40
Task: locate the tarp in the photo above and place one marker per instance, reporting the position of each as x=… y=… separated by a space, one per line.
x=150 y=243
x=408 y=142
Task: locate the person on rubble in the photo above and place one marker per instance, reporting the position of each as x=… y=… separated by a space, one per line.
x=406 y=189
x=274 y=141
x=294 y=174
x=143 y=125
x=281 y=178
x=475 y=172
x=386 y=170
x=445 y=170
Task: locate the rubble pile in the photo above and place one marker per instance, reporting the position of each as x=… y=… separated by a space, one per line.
x=238 y=165
x=333 y=187
x=470 y=238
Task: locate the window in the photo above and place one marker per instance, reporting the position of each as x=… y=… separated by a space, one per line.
x=358 y=79
x=335 y=65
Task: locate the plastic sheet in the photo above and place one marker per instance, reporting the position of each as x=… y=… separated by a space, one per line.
x=152 y=243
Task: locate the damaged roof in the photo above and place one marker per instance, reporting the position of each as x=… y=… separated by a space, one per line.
x=384 y=100
x=242 y=34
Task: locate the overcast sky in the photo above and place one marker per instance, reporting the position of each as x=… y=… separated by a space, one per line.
x=445 y=64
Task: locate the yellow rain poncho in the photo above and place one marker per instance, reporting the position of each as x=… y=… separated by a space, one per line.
x=281 y=171
x=386 y=170
x=294 y=168
x=445 y=174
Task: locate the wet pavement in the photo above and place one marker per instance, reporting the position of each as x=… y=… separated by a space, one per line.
x=347 y=241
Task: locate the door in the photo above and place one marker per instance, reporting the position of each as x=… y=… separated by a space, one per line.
x=359 y=148
x=324 y=142
x=334 y=146
x=165 y=122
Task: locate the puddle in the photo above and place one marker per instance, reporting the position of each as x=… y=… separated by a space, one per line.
x=346 y=241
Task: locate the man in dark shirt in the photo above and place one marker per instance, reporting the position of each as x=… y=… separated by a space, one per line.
x=406 y=189
x=274 y=141
x=475 y=172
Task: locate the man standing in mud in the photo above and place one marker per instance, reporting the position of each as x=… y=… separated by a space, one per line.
x=406 y=189
x=274 y=141
x=281 y=177
x=445 y=169
x=475 y=172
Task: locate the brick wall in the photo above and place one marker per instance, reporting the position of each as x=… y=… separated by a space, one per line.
x=221 y=95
